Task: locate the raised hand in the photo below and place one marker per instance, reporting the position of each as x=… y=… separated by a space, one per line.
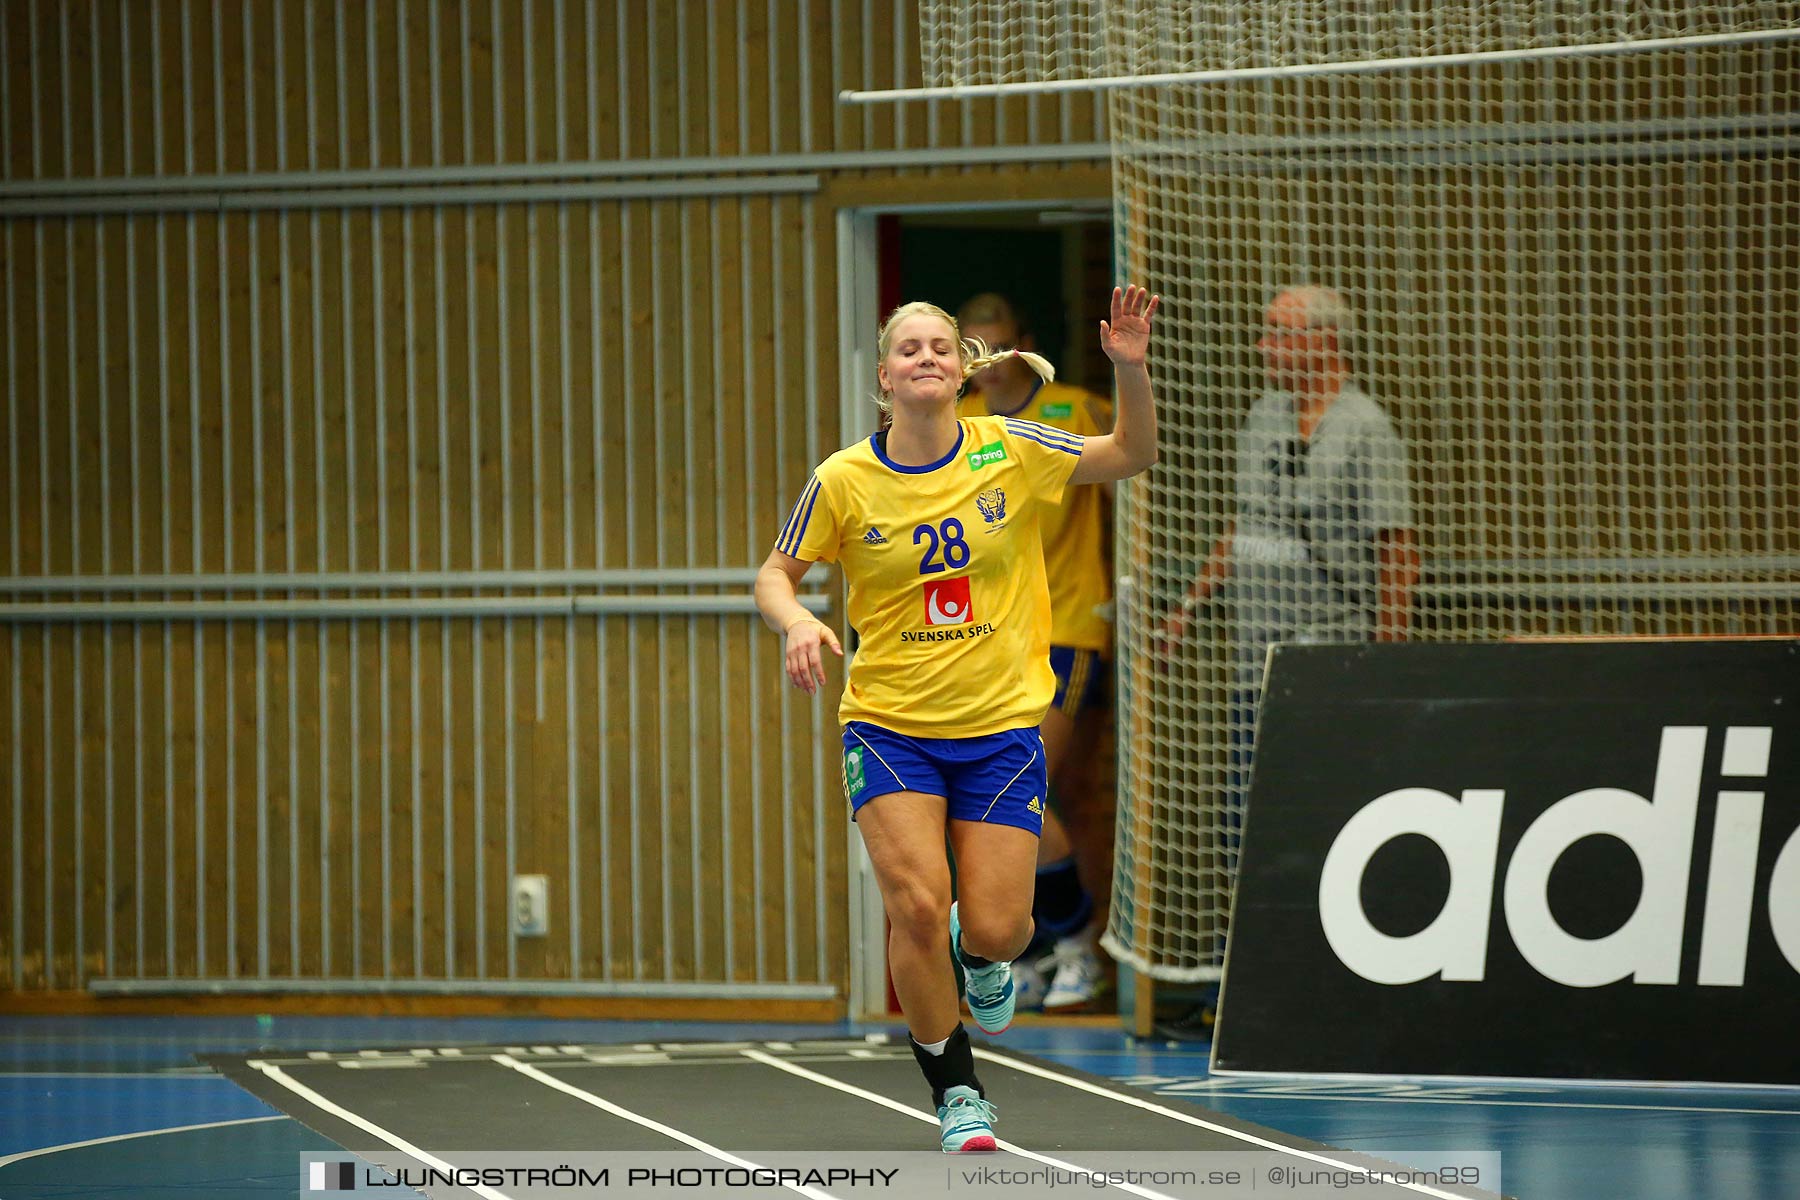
x=1127 y=336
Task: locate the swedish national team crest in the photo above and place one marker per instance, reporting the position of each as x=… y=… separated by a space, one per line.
x=992 y=504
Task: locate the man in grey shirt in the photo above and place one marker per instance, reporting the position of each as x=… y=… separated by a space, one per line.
x=1322 y=517
x=1321 y=546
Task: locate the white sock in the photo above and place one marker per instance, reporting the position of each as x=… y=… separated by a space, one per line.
x=935 y=1049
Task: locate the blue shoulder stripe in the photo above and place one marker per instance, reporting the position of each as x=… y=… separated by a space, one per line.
x=800 y=534
x=800 y=519
x=1030 y=428
x=1063 y=446
x=802 y=512
x=788 y=525
x=795 y=529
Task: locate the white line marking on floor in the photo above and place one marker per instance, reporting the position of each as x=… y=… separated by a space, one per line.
x=363 y=1123
x=549 y=1080
x=1682 y=1108
x=885 y=1102
x=124 y=1137
x=1186 y=1118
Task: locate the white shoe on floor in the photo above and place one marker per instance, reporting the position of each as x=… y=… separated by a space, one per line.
x=1029 y=986
x=1075 y=974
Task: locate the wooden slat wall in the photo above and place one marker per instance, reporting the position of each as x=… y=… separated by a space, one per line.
x=514 y=385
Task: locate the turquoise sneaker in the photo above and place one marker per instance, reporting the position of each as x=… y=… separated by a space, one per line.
x=989 y=988
x=966 y=1122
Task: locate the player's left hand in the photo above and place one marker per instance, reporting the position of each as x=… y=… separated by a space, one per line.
x=1127 y=336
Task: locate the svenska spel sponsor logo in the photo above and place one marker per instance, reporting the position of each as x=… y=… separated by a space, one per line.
x=947 y=601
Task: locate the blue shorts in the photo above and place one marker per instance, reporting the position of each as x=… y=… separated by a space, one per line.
x=998 y=778
x=1080 y=680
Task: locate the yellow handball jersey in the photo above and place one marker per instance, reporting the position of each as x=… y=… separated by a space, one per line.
x=946 y=573
x=1074 y=531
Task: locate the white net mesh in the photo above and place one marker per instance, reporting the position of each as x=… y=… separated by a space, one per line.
x=1575 y=294
x=1010 y=41
x=1015 y=41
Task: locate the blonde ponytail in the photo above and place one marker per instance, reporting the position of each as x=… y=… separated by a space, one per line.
x=976 y=356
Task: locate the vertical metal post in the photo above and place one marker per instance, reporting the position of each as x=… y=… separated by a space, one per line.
x=816 y=714
x=225 y=474
x=13 y=401
x=533 y=228
x=658 y=422
x=865 y=60
x=778 y=303
x=440 y=326
x=167 y=507
x=104 y=418
x=415 y=695
x=259 y=525
x=506 y=490
x=628 y=389
x=195 y=505
x=71 y=342
x=321 y=522
x=377 y=259
x=564 y=341
x=904 y=19
x=284 y=223
x=756 y=536
x=689 y=436
x=139 y=740
x=602 y=706
x=352 y=498
x=728 y=771
x=477 y=560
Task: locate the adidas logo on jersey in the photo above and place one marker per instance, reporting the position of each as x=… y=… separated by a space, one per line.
x=1035 y=807
x=874 y=538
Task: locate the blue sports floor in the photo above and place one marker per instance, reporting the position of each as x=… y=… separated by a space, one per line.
x=123 y=1100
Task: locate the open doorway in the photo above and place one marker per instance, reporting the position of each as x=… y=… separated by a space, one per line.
x=1054 y=265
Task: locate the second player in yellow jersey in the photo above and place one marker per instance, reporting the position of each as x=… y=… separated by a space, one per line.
x=1074 y=531
x=1075 y=852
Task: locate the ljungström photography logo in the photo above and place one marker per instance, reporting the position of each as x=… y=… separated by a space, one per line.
x=331 y=1177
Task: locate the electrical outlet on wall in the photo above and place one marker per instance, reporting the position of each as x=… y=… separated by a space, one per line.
x=531 y=905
